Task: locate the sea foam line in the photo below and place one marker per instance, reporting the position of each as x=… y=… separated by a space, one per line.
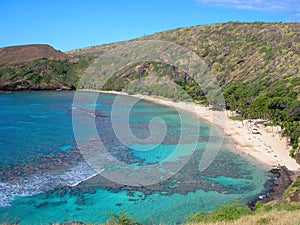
x=36 y=184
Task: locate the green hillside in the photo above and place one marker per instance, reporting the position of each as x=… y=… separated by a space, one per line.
x=42 y=74
x=39 y=67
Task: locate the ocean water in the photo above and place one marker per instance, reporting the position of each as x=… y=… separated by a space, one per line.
x=46 y=177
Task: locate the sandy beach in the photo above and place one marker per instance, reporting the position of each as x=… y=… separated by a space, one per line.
x=266 y=146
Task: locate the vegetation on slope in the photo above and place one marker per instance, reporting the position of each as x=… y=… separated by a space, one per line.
x=157 y=79
x=42 y=74
x=236 y=213
x=287 y=207
x=226 y=212
x=272 y=217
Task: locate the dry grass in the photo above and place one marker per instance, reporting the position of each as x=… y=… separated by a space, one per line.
x=273 y=217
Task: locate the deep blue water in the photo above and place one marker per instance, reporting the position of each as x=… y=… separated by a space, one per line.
x=32 y=123
x=41 y=165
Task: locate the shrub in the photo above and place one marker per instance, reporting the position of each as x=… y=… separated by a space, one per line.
x=226 y=212
x=121 y=219
x=258 y=205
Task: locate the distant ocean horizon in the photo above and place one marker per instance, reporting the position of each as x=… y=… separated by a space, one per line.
x=44 y=178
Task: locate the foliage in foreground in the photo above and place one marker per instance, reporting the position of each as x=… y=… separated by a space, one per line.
x=295 y=184
x=272 y=217
x=226 y=212
x=232 y=213
x=122 y=219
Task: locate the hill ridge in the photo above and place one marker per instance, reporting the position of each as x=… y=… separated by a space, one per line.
x=22 y=53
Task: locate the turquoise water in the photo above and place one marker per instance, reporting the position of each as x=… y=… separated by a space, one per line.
x=41 y=168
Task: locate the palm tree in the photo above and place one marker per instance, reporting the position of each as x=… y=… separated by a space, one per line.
x=286 y=131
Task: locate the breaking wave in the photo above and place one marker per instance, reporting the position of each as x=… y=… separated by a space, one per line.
x=35 y=184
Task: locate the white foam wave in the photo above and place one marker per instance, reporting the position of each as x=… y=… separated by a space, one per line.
x=36 y=184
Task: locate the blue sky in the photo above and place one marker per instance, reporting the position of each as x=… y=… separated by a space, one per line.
x=71 y=24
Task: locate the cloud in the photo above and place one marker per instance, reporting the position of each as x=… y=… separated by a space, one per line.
x=290 y=8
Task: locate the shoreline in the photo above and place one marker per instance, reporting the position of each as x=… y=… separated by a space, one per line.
x=266 y=147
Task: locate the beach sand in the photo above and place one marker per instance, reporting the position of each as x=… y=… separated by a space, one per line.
x=267 y=146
